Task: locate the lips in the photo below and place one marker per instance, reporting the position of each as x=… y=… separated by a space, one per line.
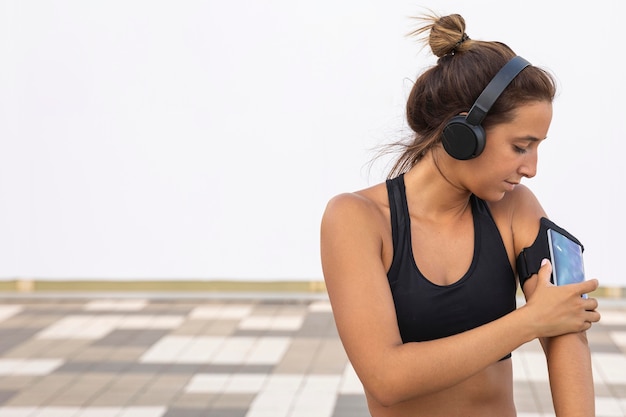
x=511 y=185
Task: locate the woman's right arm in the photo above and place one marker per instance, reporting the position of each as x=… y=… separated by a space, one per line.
x=364 y=312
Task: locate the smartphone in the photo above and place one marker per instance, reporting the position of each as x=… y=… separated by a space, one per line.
x=567 y=259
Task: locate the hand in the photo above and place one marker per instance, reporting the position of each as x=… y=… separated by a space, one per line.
x=561 y=310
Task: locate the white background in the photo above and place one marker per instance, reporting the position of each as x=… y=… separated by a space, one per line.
x=202 y=139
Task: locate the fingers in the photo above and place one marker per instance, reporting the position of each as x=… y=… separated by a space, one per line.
x=590 y=303
x=589 y=286
x=583 y=288
x=586 y=320
x=592 y=316
x=569 y=301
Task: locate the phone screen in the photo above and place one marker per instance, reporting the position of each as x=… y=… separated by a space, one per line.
x=567 y=259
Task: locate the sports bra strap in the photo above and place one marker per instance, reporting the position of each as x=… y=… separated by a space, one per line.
x=398 y=209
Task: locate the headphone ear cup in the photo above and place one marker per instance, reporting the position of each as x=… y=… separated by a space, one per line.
x=463 y=140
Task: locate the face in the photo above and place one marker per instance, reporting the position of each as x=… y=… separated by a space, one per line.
x=510 y=153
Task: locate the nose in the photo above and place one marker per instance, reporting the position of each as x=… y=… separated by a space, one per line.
x=528 y=168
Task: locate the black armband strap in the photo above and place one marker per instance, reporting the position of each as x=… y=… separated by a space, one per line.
x=529 y=260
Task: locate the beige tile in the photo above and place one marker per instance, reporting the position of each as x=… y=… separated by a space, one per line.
x=233 y=401
x=299 y=356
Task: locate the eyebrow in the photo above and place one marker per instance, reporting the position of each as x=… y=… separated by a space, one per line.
x=531 y=139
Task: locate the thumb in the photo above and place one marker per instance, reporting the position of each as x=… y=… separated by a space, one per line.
x=545 y=271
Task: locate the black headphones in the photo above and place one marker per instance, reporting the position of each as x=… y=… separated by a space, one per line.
x=463 y=136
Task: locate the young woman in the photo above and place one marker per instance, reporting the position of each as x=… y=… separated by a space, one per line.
x=421 y=269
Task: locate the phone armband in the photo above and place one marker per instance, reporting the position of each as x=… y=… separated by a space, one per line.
x=529 y=260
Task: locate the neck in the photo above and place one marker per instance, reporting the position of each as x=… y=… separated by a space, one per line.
x=433 y=195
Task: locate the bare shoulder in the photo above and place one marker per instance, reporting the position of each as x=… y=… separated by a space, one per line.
x=520 y=201
x=363 y=208
x=519 y=211
x=354 y=230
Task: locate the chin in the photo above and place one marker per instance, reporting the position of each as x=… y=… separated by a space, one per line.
x=492 y=197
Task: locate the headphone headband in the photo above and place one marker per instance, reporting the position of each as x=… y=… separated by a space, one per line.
x=463 y=136
x=496 y=86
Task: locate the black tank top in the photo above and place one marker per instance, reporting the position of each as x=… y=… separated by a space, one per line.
x=427 y=311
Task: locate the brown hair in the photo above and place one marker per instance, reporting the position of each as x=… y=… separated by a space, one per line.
x=464 y=68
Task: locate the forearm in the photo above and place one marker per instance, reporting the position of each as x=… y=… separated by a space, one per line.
x=415 y=369
x=571 y=379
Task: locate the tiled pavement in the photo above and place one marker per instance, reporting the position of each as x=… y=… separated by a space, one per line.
x=214 y=356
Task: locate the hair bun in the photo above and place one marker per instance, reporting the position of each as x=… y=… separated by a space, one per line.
x=447 y=35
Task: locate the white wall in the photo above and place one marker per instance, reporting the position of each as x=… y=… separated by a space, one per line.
x=202 y=139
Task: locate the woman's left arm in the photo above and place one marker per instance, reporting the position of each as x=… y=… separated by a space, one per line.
x=568 y=356
x=571 y=378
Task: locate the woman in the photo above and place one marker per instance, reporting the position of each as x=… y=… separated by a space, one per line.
x=421 y=270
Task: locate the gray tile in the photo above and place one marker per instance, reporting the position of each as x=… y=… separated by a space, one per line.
x=214 y=412
x=75 y=367
x=618 y=390
x=330 y=358
x=131 y=338
x=109 y=367
x=190 y=412
x=177 y=368
x=127 y=354
x=605 y=348
x=233 y=369
x=602 y=390
x=5 y=395
x=52 y=312
x=264 y=333
x=166 y=310
x=11 y=338
x=317 y=324
x=608 y=327
x=350 y=406
x=146 y=368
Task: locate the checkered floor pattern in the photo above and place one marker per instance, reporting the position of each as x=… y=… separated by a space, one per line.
x=257 y=356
